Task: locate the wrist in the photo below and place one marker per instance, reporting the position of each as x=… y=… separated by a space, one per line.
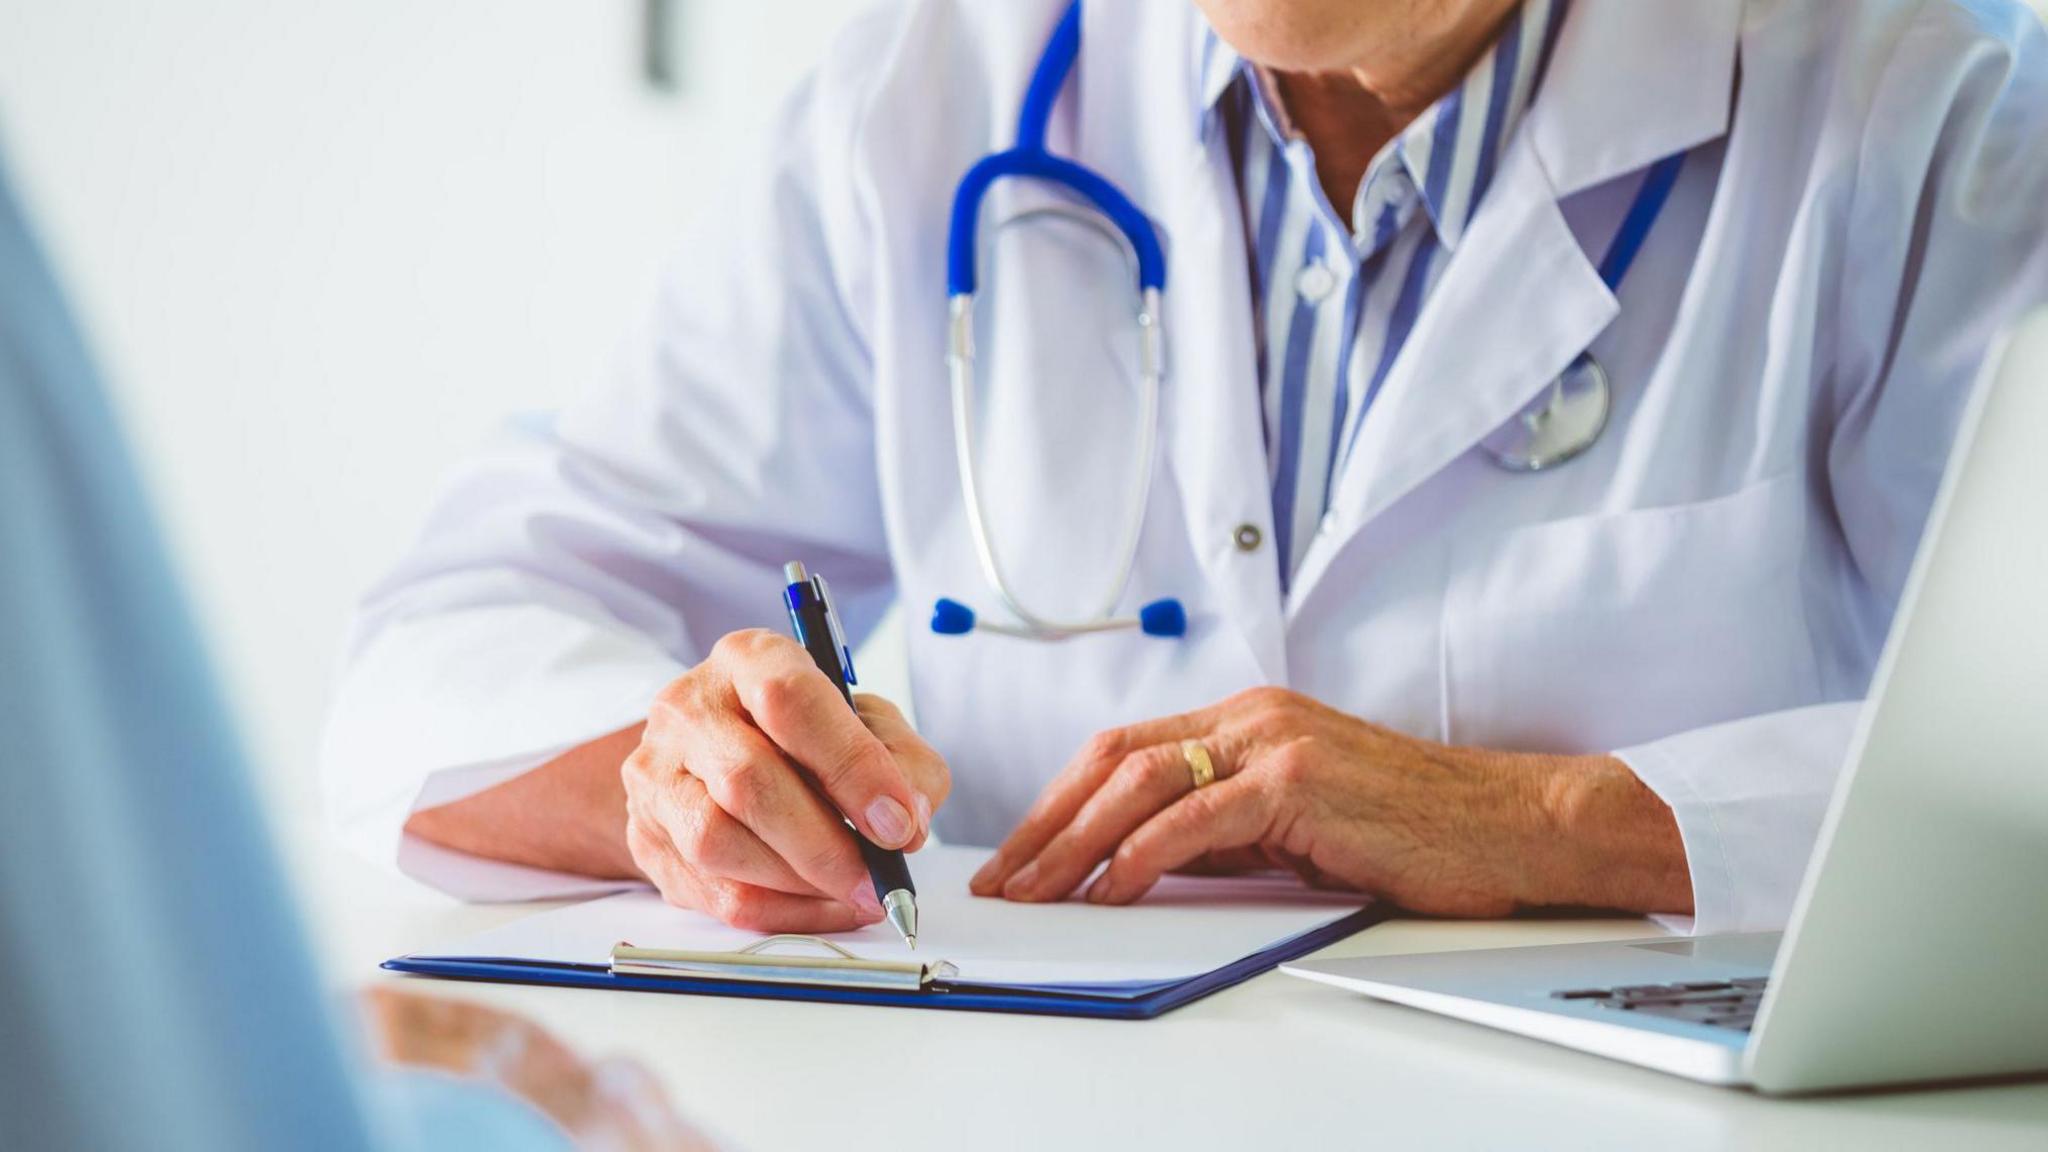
x=568 y=815
x=1598 y=837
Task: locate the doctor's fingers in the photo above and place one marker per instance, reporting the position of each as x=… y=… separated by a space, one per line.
x=670 y=813
x=756 y=785
x=1054 y=809
x=1227 y=815
x=1084 y=775
x=926 y=769
x=798 y=708
x=747 y=906
x=1143 y=784
x=710 y=842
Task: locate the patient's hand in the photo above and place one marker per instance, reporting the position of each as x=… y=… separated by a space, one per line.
x=612 y=1104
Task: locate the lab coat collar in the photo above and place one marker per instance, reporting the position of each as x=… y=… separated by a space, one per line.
x=1629 y=83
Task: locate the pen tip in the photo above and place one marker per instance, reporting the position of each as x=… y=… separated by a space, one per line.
x=901 y=907
x=913 y=942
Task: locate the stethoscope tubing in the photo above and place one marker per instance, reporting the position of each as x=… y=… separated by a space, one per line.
x=1030 y=159
x=960 y=361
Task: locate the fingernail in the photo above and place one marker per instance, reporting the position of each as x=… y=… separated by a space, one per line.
x=1100 y=891
x=888 y=823
x=924 y=813
x=1020 y=884
x=865 y=903
x=987 y=872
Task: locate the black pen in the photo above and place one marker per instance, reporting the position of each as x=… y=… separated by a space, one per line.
x=816 y=622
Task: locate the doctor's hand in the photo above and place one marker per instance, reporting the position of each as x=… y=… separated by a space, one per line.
x=723 y=805
x=1346 y=804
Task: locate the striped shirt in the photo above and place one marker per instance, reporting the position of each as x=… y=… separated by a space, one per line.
x=1336 y=295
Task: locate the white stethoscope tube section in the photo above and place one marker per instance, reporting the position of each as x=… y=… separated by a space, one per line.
x=960 y=364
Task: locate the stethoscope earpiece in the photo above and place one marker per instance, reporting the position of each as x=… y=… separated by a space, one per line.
x=1164 y=618
x=952 y=618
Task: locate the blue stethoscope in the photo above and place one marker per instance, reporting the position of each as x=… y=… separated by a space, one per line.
x=1561 y=423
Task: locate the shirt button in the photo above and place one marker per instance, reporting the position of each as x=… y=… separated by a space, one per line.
x=1315 y=282
x=1247 y=537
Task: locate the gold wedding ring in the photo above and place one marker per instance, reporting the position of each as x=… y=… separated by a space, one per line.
x=1201 y=769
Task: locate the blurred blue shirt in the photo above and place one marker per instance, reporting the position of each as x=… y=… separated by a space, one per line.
x=155 y=988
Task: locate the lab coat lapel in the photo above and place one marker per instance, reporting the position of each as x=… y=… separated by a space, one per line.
x=1516 y=302
x=1214 y=428
x=1630 y=82
x=1142 y=129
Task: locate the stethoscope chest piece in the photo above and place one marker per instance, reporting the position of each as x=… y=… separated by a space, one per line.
x=1570 y=414
x=1559 y=424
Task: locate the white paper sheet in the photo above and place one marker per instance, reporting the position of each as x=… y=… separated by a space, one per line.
x=1186 y=926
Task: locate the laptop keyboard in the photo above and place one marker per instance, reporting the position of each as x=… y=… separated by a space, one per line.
x=1716 y=1003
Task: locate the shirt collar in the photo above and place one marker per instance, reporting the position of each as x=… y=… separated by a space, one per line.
x=1450 y=151
x=1217 y=66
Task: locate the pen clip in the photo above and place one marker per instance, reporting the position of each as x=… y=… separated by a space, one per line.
x=839 y=643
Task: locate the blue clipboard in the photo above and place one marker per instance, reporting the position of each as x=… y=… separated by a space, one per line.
x=1141 y=1001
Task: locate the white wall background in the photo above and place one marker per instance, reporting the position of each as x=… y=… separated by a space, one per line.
x=324 y=245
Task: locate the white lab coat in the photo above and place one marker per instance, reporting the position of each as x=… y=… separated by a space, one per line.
x=1703 y=593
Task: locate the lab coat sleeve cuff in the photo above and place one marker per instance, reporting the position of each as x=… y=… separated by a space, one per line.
x=479 y=879
x=440 y=707
x=1749 y=797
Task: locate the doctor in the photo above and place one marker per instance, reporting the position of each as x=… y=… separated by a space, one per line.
x=1463 y=450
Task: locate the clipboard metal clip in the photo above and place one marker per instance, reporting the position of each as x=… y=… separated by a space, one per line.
x=759 y=963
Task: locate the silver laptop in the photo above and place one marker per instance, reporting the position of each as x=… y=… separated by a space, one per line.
x=1918 y=948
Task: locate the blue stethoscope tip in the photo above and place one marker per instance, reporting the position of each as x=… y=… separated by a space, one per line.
x=952 y=618
x=1163 y=618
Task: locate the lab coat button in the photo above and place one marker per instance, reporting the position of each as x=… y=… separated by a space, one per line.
x=1315 y=282
x=1247 y=537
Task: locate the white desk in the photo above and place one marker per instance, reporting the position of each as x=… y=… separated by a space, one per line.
x=1273 y=1063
